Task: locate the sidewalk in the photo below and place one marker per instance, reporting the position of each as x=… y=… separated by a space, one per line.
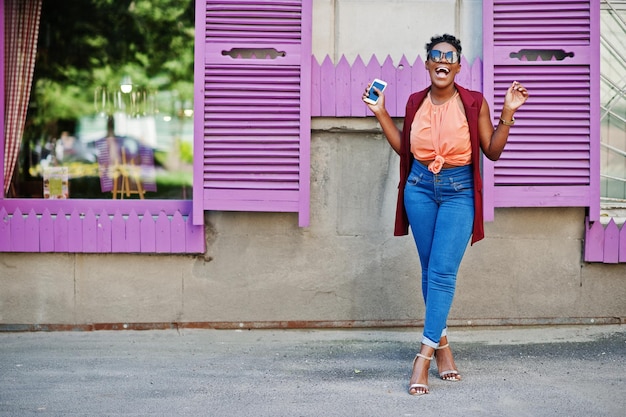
x=533 y=371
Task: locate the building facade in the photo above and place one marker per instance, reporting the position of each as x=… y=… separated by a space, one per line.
x=291 y=221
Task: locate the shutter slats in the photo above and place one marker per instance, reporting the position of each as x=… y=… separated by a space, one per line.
x=562 y=29
x=243 y=129
x=549 y=9
x=557 y=147
x=243 y=122
x=235 y=102
x=252 y=142
x=231 y=159
x=286 y=165
x=256 y=83
x=573 y=115
x=541 y=23
x=549 y=130
x=540 y=181
x=288 y=109
x=253 y=106
x=243 y=184
x=552 y=88
x=251 y=157
x=553 y=161
x=256 y=22
x=243 y=28
x=257 y=119
x=260 y=5
x=550 y=143
x=530 y=156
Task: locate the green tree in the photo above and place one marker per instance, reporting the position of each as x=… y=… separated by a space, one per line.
x=87 y=44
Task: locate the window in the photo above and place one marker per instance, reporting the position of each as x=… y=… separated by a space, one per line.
x=110 y=224
x=604 y=241
x=613 y=110
x=111 y=105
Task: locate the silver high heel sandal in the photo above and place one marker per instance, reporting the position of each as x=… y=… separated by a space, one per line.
x=416 y=387
x=451 y=375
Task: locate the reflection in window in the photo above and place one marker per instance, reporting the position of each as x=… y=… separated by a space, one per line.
x=111 y=103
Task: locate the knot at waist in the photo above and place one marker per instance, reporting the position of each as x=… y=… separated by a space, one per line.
x=436 y=165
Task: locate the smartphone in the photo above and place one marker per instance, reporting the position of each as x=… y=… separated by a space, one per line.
x=372 y=97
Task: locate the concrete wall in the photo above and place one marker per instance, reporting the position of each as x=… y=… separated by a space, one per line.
x=261 y=269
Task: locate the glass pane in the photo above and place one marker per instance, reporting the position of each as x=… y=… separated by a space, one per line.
x=613 y=105
x=111 y=109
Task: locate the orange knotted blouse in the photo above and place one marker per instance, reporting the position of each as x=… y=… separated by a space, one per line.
x=440 y=133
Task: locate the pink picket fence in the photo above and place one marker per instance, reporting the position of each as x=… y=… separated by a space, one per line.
x=337 y=88
x=98 y=232
x=606 y=244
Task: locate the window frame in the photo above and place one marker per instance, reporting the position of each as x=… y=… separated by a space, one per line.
x=154 y=215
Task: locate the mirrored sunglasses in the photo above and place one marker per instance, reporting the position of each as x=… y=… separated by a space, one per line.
x=451 y=57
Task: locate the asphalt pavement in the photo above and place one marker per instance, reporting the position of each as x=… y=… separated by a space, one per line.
x=519 y=371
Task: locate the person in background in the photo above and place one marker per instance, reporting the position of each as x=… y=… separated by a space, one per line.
x=440 y=195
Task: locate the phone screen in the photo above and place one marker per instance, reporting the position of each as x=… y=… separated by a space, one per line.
x=372 y=94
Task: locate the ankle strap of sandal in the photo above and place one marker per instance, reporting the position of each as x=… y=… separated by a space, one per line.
x=428 y=358
x=444 y=346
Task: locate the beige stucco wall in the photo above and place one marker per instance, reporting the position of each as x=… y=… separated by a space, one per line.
x=346 y=268
x=393 y=27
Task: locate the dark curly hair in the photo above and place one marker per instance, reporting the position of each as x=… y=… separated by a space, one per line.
x=452 y=40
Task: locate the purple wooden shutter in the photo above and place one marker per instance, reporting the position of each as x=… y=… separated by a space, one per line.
x=253 y=105
x=552 y=158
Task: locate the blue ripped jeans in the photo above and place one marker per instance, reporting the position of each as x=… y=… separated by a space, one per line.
x=440 y=208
